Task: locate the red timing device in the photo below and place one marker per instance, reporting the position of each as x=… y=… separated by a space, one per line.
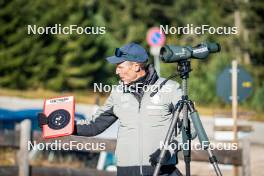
x=60 y=114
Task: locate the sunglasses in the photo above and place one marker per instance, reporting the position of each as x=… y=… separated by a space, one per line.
x=120 y=53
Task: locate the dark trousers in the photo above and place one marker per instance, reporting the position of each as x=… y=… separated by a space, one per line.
x=165 y=170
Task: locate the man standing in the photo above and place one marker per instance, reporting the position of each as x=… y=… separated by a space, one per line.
x=144 y=110
x=143 y=119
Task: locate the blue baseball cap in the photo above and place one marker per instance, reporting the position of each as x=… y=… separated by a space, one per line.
x=129 y=52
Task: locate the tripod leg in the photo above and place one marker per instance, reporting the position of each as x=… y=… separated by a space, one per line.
x=186 y=139
x=168 y=137
x=186 y=152
x=204 y=141
x=213 y=161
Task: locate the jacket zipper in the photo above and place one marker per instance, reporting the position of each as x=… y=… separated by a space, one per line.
x=140 y=138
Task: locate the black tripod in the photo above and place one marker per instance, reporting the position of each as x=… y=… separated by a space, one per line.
x=186 y=106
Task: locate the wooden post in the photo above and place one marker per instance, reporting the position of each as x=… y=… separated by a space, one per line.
x=25 y=136
x=101 y=160
x=246 y=157
x=234 y=104
x=234 y=97
x=237 y=21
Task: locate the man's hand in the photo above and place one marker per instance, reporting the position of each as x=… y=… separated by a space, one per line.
x=154 y=157
x=42 y=119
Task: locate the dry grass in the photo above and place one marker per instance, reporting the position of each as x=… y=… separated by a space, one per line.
x=89 y=97
x=7 y=156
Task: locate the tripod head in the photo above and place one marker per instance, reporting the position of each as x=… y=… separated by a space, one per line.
x=184 y=68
